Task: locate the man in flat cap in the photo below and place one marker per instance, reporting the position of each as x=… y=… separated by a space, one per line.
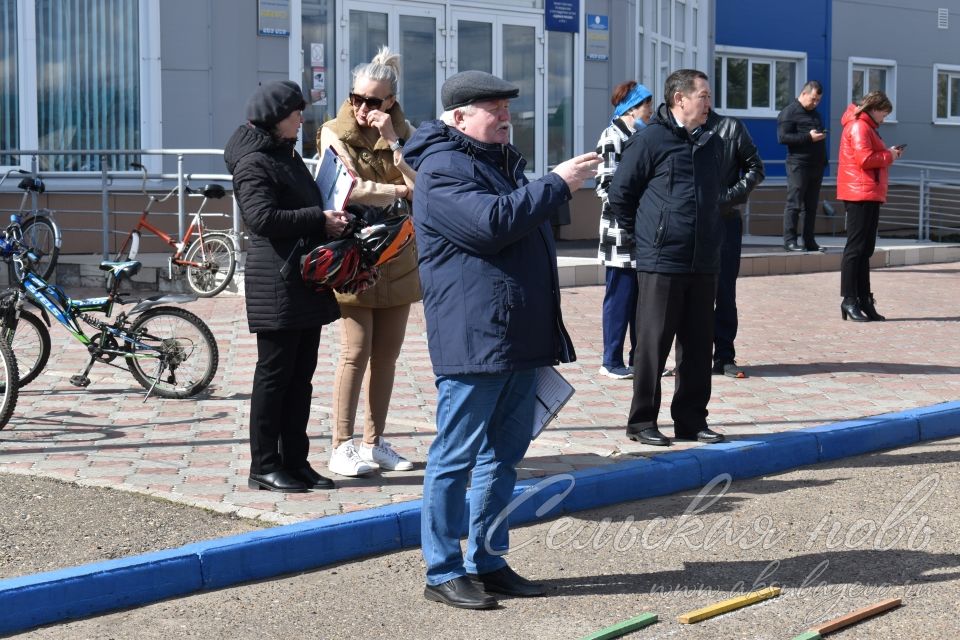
x=491 y=298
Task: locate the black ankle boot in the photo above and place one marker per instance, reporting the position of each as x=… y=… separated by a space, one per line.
x=867 y=306
x=849 y=307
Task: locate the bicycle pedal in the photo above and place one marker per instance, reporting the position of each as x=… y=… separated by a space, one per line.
x=80 y=381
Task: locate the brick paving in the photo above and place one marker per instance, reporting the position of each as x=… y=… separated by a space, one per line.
x=806 y=368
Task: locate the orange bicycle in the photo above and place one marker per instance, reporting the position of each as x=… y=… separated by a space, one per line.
x=209 y=260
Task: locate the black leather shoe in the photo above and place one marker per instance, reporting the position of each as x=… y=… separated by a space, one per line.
x=709 y=436
x=792 y=246
x=869 y=309
x=280 y=481
x=311 y=478
x=507 y=582
x=460 y=592
x=649 y=436
x=813 y=247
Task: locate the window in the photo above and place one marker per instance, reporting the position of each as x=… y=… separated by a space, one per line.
x=756 y=82
x=560 y=61
x=947 y=87
x=870 y=74
x=71 y=79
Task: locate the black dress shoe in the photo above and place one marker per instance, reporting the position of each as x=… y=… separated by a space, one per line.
x=281 y=481
x=792 y=246
x=507 y=582
x=709 y=436
x=649 y=436
x=460 y=592
x=311 y=478
x=813 y=247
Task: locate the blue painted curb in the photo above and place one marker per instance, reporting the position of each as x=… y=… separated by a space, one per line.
x=34 y=600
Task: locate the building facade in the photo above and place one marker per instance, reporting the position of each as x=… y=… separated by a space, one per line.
x=81 y=75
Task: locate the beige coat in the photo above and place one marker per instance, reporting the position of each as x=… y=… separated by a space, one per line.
x=380 y=171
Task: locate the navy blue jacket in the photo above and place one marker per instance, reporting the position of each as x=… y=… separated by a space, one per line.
x=488 y=265
x=666 y=192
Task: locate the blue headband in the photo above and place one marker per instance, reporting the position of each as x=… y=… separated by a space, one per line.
x=637 y=95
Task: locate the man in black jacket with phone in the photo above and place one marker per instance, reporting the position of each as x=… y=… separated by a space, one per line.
x=800 y=127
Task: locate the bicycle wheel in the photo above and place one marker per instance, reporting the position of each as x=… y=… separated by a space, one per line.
x=215 y=263
x=9 y=389
x=30 y=341
x=177 y=355
x=40 y=234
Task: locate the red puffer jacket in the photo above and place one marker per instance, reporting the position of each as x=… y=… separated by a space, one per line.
x=864 y=160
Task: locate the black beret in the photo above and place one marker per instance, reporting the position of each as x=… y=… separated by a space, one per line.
x=274 y=101
x=468 y=87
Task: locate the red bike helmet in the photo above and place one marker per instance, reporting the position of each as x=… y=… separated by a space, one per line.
x=363 y=280
x=332 y=264
x=384 y=241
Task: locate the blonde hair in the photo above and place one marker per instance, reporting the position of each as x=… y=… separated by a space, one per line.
x=385 y=66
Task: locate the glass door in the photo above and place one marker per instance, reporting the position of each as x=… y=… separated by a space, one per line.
x=510 y=47
x=410 y=29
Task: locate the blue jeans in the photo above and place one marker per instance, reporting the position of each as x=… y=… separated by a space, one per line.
x=484 y=423
x=619 y=314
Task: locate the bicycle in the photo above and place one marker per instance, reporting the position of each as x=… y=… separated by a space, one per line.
x=209 y=260
x=175 y=344
x=9 y=389
x=40 y=230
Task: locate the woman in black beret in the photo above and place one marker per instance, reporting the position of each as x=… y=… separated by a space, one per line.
x=284 y=215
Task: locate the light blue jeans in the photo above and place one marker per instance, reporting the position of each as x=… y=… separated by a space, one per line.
x=484 y=423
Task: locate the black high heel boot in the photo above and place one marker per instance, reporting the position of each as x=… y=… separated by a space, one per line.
x=869 y=309
x=849 y=307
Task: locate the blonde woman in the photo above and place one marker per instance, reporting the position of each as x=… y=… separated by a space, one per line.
x=368 y=134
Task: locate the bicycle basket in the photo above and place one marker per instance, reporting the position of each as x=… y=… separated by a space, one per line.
x=332 y=264
x=384 y=241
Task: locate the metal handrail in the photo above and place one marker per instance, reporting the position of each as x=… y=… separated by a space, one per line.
x=107 y=177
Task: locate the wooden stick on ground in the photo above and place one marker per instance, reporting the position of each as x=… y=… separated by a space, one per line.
x=728 y=605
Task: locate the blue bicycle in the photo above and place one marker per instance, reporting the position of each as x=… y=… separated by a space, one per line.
x=170 y=351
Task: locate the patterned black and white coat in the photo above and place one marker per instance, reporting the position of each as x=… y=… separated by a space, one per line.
x=615 y=243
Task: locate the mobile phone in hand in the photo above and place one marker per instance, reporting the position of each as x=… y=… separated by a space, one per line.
x=900 y=147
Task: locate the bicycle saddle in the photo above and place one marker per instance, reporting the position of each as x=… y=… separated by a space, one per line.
x=32 y=184
x=120 y=270
x=213 y=191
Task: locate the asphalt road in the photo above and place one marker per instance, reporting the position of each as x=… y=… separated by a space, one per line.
x=835 y=537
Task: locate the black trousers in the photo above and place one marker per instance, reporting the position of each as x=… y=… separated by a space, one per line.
x=803 y=196
x=673 y=306
x=280 y=401
x=863 y=219
x=725 y=322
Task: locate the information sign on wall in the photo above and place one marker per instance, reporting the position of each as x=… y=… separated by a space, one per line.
x=562 y=15
x=273 y=17
x=598 y=37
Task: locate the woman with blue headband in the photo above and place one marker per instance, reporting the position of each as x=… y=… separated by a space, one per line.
x=633 y=107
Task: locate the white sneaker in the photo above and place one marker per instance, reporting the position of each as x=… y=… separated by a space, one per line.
x=345 y=461
x=385 y=457
x=617 y=373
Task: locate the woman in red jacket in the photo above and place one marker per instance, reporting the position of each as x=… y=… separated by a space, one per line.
x=862 y=185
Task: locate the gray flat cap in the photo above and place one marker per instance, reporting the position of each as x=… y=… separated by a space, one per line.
x=468 y=87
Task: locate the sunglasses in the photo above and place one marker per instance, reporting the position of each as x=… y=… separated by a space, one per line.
x=372 y=103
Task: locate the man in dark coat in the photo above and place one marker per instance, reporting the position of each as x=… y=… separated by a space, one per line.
x=665 y=194
x=282 y=208
x=800 y=127
x=741 y=170
x=491 y=299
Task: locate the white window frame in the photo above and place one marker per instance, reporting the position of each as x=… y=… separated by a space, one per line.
x=953 y=71
x=652 y=70
x=762 y=56
x=865 y=64
x=150 y=81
